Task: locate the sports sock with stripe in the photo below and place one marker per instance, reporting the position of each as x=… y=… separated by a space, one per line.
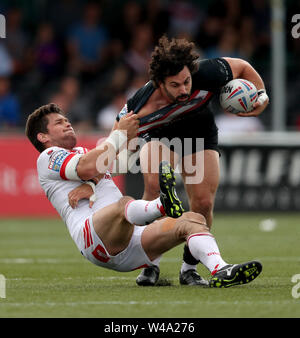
x=140 y=212
x=204 y=248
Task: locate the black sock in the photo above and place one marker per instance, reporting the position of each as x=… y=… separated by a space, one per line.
x=188 y=257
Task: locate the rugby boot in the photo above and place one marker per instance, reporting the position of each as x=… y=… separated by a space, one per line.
x=168 y=196
x=235 y=274
x=191 y=277
x=148 y=277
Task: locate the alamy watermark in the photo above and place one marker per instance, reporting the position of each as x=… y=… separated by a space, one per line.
x=296 y=288
x=2 y=287
x=2 y=26
x=296 y=29
x=140 y=156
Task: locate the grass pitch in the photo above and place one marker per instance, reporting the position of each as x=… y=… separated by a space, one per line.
x=46 y=276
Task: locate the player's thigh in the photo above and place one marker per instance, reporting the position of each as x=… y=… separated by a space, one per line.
x=206 y=179
x=152 y=153
x=111 y=226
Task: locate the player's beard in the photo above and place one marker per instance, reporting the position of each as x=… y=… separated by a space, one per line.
x=185 y=97
x=177 y=100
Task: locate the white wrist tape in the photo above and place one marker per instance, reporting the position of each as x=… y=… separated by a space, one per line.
x=70 y=170
x=262 y=96
x=117 y=138
x=93 y=186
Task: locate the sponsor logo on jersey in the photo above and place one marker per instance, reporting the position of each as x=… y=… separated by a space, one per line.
x=57 y=159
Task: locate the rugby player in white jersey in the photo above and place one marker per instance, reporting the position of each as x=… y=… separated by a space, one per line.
x=107 y=233
x=177 y=104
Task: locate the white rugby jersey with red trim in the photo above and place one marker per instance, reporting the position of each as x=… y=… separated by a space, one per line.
x=51 y=166
x=212 y=74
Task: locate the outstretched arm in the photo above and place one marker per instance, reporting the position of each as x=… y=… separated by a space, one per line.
x=98 y=160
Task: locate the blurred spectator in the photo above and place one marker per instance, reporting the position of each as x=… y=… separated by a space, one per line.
x=6 y=62
x=47 y=53
x=138 y=55
x=247 y=42
x=115 y=53
x=119 y=79
x=115 y=81
x=9 y=106
x=157 y=16
x=137 y=82
x=228 y=11
x=185 y=17
x=232 y=11
x=227 y=45
x=121 y=91
x=209 y=32
x=260 y=11
x=71 y=101
x=107 y=115
x=87 y=42
x=261 y=14
x=124 y=27
x=16 y=41
x=228 y=30
x=64 y=14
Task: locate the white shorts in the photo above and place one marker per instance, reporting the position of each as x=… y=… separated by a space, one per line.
x=132 y=258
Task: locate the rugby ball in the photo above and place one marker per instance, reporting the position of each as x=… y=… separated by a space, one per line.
x=238 y=96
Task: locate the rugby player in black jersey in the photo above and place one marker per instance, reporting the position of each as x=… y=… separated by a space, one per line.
x=175 y=103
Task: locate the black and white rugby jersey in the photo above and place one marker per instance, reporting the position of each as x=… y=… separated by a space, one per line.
x=212 y=74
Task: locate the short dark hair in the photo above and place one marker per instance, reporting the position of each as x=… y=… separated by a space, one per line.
x=169 y=58
x=37 y=122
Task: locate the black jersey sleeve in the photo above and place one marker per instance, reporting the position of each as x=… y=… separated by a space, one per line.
x=212 y=74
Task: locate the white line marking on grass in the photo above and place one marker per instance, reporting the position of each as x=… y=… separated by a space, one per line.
x=133 y=302
x=279 y=259
x=74 y=278
x=37 y=260
x=16 y=261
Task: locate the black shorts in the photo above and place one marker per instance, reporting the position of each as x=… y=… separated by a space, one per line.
x=201 y=126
